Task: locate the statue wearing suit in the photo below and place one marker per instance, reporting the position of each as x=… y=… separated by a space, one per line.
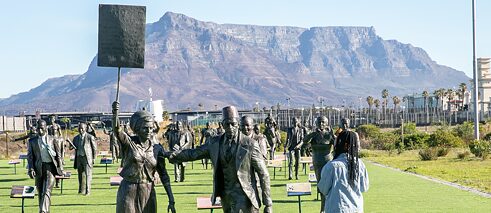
x=182 y=139
x=84 y=158
x=294 y=142
x=43 y=157
x=235 y=158
x=322 y=141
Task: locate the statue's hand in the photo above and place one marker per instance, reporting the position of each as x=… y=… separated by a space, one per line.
x=115 y=106
x=171 y=208
x=31 y=173
x=268 y=209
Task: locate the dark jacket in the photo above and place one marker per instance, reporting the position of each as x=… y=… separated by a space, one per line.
x=90 y=147
x=249 y=159
x=34 y=160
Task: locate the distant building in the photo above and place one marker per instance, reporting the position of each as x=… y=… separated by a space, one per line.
x=484 y=84
x=155 y=107
x=416 y=101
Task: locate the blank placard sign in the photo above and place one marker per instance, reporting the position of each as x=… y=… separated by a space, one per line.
x=121 y=36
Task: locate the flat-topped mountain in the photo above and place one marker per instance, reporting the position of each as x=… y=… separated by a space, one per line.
x=188 y=62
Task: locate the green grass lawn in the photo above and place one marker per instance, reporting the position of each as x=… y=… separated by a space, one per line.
x=390 y=191
x=472 y=172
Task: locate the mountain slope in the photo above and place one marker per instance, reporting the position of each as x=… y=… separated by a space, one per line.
x=189 y=62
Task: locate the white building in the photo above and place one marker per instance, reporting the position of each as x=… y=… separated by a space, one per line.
x=156 y=107
x=484 y=84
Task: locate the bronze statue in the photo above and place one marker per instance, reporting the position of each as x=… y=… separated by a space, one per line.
x=85 y=153
x=272 y=135
x=322 y=142
x=306 y=150
x=247 y=128
x=235 y=158
x=113 y=144
x=54 y=130
x=182 y=140
x=294 y=142
x=43 y=163
x=142 y=158
x=206 y=134
x=345 y=126
x=220 y=130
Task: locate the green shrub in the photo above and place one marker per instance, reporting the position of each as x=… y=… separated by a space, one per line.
x=443 y=137
x=364 y=154
x=463 y=155
x=385 y=141
x=480 y=148
x=367 y=131
x=466 y=131
x=409 y=128
x=442 y=151
x=487 y=137
x=430 y=153
x=416 y=141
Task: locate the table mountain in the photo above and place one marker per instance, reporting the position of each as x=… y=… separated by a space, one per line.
x=188 y=62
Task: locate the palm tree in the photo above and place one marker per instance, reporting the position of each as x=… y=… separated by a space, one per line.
x=385 y=95
x=370 y=104
x=450 y=95
x=425 y=96
x=462 y=90
x=439 y=94
x=376 y=102
x=396 y=101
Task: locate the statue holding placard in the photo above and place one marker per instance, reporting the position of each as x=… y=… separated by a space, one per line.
x=322 y=142
x=143 y=157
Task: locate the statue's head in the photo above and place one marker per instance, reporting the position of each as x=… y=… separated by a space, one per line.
x=247 y=125
x=82 y=128
x=257 y=129
x=230 y=120
x=52 y=118
x=345 y=122
x=322 y=122
x=142 y=123
x=208 y=125
x=179 y=125
x=42 y=127
x=296 y=121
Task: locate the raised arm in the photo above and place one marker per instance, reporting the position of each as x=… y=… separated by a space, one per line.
x=121 y=136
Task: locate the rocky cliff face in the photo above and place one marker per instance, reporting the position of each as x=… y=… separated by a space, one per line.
x=189 y=62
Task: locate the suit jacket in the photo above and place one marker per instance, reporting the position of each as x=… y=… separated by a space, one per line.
x=249 y=159
x=34 y=160
x=183 y=139
x=294 y=138
x=89 y=145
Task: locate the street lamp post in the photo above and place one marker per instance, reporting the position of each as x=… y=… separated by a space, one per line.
x=288 y=110
x=474 y=71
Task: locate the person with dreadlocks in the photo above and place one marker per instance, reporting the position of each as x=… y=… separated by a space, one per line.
x=344 y=178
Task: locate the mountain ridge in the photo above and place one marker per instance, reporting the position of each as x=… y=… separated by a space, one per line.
x=188 y=62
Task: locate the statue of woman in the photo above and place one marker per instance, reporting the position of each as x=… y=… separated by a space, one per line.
x=142 y=157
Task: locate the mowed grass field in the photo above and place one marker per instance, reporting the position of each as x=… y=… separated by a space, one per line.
x=473 y=172
x=390 y=191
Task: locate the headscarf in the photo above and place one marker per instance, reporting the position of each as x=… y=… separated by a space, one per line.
x=138 y=118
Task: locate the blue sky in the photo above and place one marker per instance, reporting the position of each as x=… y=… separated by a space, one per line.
x=45 y=39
